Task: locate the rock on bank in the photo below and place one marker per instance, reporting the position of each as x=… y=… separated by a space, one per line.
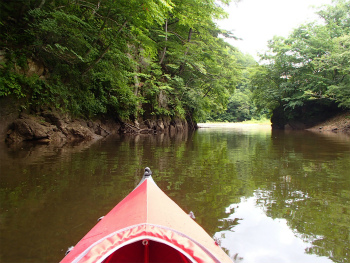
x=50 y=126
x=53 y=127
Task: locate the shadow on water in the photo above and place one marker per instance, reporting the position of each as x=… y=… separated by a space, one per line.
x=51 y=196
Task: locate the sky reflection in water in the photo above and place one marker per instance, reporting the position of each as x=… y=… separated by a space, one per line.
x=258 y=238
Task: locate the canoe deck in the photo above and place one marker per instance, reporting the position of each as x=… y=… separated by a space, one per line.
x=147 y=226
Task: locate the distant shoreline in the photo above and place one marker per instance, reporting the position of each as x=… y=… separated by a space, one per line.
x=233 y=125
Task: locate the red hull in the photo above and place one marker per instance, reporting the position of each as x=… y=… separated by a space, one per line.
x=147 y=226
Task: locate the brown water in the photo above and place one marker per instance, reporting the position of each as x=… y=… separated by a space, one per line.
x=266 y=196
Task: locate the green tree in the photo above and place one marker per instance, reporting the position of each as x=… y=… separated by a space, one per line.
x=337 y=63
x=126 y=58
x=241 y=105
x=308 y=70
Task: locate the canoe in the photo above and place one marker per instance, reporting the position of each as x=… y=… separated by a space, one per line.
x=146 y=226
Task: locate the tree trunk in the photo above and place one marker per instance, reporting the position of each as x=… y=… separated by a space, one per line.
x=182 y=67
x=137 y=84
x=166 y=39
x=41 y=4
x=97 y=7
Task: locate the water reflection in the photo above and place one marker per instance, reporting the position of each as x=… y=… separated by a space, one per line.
x=51 y=196
x=256 y=238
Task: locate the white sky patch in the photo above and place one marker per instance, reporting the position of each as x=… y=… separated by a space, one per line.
x=257 y=21
x=261 y=239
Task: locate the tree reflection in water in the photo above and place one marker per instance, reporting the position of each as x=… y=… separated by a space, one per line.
x=290 y=190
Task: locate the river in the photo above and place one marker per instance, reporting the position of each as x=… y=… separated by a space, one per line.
x=266 y=196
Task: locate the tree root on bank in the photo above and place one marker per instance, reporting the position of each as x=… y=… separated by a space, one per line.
x=133 y=129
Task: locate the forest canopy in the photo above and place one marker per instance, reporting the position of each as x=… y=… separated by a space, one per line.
x=141 y=58
x=123 y=58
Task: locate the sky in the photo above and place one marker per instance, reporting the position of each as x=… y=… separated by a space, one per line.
x=257 y=238
x=257 y=21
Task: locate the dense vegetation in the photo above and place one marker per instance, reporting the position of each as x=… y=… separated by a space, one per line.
x=137 y=59
x=308 y=72
x=241 y=106
x=126 y=58
x=303 y=77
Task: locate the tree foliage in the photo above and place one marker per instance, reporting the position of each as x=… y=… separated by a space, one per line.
x=241 y=105
x=127 y=58
x=310 y=66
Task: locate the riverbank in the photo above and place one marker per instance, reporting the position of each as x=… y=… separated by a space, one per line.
x=53 y=126
x=338 y=123
x=233 y=125
x=265 y=123
x=58 y=128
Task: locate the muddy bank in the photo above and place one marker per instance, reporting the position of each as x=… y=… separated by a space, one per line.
x=338 y=123
x=303 y=117
x=49 y=126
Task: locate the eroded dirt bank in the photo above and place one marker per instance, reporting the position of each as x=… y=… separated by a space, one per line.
x=338 y=123
x=50 y=126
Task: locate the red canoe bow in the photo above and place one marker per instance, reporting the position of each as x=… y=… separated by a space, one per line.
x=146 y=226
